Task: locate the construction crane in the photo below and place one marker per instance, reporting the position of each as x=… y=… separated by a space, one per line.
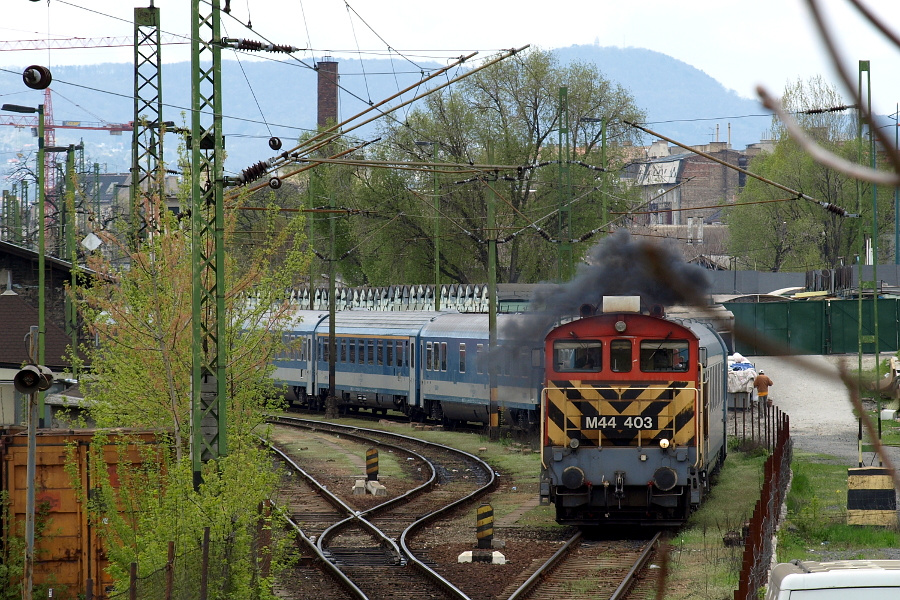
x=50 y=127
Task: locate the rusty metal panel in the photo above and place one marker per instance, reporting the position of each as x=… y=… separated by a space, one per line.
x=69 y=549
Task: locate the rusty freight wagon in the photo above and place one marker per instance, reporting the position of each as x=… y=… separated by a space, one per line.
x=68 y=550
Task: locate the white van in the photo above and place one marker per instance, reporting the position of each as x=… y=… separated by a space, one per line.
x=813 y=580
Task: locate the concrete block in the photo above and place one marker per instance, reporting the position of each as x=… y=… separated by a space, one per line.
x=359 y=488
x=375 y=488
x=888 y=414
x=495 y=558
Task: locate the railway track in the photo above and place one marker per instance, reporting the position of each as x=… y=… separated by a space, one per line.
x=368 y=546
x=366 y=551
x=588 y=569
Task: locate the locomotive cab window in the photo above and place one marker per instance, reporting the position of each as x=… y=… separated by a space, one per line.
x=664 y=356
x=583 y=355
x=620 y=356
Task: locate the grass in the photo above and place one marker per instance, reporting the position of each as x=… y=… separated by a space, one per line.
x=815 y=527
x=700 y=564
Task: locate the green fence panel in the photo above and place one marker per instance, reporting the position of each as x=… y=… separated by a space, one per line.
x=888 y=334
x=744 y=318
x=843 y=319
x=767 y=320
x=843 y=323
x=807 y=327
x=817 y=327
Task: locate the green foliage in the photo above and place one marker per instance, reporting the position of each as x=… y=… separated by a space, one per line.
x=152 y=501
x=512 y=108
x=816 y=516
x=139 y=377
x=768 y=230
x=140 y=370
x=12 y=556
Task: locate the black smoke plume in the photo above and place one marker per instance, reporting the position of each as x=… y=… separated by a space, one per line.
x=619 y=265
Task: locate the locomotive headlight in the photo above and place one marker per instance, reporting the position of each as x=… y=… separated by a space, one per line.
x=574 y=443
x=664 y=443
x=620 y=326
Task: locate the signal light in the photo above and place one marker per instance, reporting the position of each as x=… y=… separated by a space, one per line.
x=33 y=378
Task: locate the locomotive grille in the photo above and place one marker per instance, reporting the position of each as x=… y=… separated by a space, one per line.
x=620 y=415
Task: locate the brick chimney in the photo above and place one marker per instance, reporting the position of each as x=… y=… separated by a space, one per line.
x=328 y=91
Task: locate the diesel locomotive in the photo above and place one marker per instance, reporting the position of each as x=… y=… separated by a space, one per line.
x=633 y=424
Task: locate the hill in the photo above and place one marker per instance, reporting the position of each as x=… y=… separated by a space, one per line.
x=680 y=101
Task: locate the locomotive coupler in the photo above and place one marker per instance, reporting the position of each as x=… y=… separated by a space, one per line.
x=620 y=484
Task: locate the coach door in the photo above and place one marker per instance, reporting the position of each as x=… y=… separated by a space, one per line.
x=413 y=398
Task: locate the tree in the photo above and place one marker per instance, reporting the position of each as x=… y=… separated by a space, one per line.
x=139 y=377
x=507 y=114
x=769 y=231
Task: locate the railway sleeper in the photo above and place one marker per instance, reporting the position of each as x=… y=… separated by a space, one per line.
x=363 y=557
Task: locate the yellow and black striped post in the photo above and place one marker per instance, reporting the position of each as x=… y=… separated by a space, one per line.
x=372 y=464
x=871 y=499
x=485 y=526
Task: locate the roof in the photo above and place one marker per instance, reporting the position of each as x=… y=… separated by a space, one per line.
x=814 y=575
x=51 y=261
x=16 y=319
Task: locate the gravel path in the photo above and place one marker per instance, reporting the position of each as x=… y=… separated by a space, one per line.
x=808 y=389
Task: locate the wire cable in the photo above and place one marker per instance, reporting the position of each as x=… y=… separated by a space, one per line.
x=247 y=79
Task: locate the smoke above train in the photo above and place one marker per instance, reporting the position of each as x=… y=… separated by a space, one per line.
x=619 y=265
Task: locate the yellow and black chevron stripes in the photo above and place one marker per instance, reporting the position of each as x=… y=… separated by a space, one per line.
x=600 y=414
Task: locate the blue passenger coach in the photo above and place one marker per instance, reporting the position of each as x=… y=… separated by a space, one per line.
x=425 y=364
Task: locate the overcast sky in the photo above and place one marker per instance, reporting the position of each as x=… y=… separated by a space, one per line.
x=740 y=43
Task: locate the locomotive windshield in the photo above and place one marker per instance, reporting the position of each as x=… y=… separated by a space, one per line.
x=583 y=355
x=664 y=356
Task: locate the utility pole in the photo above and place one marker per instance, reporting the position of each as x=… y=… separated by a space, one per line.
x=897 y=192
x=208 y=383
x=565 y=259
x=494 y=408
x=70 y=225
x=147 y=173
x=873 y=283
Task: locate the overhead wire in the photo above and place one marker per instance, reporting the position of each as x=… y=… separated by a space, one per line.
x=361 y=63
x=247 y=79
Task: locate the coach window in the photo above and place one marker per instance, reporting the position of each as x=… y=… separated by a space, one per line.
x=351 y=350
x=664 y=356
x=443 y=356
x=462 y=358
x=429 y=352
x=389 y=353
x=620 y=356
x=379 y=352
x=371 y=352
x=583 y=355
x=478 y=350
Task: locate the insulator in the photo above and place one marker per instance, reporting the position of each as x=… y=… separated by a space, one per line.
x=275 y=143
x=37 y=77
x=275 y=183
x=256 y=46
x=283 y=48
x=254 y=172
x=251 y=45
x=835 y=209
